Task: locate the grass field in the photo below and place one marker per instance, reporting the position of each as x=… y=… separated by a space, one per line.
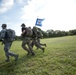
x=59 y=58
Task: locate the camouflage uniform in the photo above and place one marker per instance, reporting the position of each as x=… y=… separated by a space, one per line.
x=26 y=41
x=34 y=39
x=7 y=44
x=40 y=35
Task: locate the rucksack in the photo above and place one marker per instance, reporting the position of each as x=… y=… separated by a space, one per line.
x=28 y=32
x=10 y=34
x=40 y=35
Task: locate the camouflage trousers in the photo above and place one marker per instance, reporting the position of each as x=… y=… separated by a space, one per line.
x=38 y=40
x=27 y=42
x=7 y=46
x=36 y=43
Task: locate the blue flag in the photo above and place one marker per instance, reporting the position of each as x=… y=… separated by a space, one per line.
x=39 y=22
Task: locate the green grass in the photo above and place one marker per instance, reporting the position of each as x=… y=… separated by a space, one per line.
x=59 y=58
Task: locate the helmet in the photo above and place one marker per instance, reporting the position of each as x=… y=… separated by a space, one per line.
x=4 y=25
x=23 y=25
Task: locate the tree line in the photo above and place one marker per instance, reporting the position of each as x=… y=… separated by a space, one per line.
x=53 y=33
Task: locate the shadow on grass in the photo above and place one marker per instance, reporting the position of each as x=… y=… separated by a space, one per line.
x=10 y=68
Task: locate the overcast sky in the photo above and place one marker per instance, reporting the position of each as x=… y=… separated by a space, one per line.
x=58 y=14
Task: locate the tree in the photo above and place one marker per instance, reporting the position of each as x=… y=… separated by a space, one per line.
x=72 y=32
x=50 y=33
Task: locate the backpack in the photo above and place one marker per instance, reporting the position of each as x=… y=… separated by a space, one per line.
x=10 y=34
x=40 y=35
x=28 y=32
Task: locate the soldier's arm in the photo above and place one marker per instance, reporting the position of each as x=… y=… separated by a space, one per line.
x=23 y=32
x=36 y=34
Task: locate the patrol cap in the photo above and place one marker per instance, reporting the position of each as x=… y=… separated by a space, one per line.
x=4 y=25
x=23 y=25
x=34 y=27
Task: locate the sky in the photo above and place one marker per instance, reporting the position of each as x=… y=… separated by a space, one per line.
x=58 y=14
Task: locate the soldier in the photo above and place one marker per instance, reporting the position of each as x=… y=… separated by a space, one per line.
x=7 y=44
x=26 y=40
x=34 y=39
x=40 y=35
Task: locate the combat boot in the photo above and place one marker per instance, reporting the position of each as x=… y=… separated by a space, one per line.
x=43 y=49
x=7 y=60
x=45 y=45
x=33 y=53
